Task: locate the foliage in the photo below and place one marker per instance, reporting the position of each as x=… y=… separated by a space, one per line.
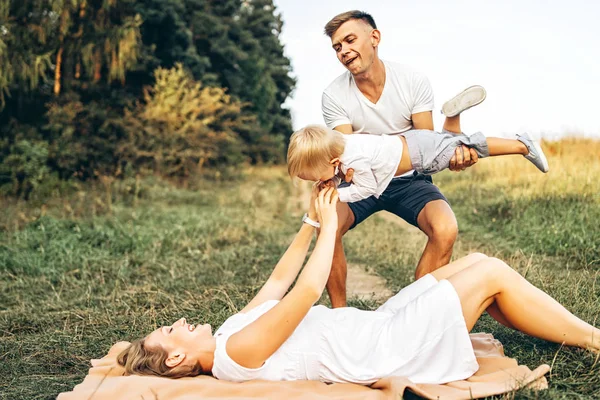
x=83 y=137
x=182 y=126
x=76 y=72
x=25 y=50
x=77 y=39
x=554 y=214
x=25 y=167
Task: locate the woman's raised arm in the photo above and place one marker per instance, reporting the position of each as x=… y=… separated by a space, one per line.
x=289 y=265
x=254 y=344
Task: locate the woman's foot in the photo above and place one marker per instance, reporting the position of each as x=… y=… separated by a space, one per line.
x=594 y=345
x=466 y=99
x=536 y=154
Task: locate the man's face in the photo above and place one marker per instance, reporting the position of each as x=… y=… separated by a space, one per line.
x=354 y=43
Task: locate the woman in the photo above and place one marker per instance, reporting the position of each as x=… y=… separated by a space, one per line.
x=421 y=333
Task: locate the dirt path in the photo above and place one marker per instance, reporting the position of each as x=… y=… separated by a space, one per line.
x=361 y=283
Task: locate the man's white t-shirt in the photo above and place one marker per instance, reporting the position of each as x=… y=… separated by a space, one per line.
x=405 y=92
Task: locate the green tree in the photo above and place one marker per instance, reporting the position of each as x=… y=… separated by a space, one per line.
x=77 y=39
x=275 y=84
x=26 y=29
x=241 y=39
x=168 y=39
x=72 y=72
x=97 y=39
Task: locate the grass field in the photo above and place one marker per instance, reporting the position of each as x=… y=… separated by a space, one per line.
x=80 y=273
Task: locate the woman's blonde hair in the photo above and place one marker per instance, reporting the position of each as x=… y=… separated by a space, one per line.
x=313 y=147
x=140 y=359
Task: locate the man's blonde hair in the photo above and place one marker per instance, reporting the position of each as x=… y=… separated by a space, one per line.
x=313 y=147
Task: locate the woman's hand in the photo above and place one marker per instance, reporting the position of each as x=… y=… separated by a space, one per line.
x=312 y=208
x=326 y=205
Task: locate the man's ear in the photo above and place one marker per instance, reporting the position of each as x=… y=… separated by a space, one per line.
x=174 y=360
x=335 y=162
x=375 y=37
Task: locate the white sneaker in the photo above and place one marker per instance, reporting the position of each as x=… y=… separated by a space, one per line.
x=536 y=154
x=466 y=99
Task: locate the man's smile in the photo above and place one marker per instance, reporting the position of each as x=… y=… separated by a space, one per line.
x=349 y=61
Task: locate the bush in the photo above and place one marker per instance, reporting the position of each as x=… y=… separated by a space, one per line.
x=182 y=126
x=25 y=167
x=84 y=138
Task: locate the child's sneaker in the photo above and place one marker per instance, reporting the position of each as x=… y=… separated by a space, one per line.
x=536 y=155
x=466 y=99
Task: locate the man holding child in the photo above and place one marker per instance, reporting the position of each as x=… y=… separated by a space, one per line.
x=386 y=98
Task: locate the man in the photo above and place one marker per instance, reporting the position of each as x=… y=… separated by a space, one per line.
x=387 y=98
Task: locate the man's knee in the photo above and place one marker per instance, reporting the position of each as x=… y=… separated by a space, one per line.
x=437 y=219
x=444 y=231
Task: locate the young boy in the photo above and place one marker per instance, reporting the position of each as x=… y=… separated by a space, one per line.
x=317 y=153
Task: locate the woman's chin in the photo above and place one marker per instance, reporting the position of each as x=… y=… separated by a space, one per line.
x=202 y=330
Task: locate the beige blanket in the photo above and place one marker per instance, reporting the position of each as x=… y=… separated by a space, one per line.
x=497 y=374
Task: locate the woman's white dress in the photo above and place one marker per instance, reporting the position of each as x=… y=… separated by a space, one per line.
x=420 y=333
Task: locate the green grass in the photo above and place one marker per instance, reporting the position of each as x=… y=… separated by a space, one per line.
x=77 y=278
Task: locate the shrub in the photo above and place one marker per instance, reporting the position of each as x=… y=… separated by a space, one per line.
x=83 y=137
x=25 y=167
x=182 y=126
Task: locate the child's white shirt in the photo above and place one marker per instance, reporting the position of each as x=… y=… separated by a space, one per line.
x=374 y=160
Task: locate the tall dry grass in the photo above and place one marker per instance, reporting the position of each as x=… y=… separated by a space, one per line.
x=508 y=200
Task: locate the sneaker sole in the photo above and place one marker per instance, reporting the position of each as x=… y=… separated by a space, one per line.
x=542 y=156
x=466 y=99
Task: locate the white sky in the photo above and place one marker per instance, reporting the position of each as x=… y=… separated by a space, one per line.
x=538 y=60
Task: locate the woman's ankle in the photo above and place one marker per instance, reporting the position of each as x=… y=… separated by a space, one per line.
x=594 y=341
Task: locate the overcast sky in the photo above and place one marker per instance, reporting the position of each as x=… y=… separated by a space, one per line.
x=538 y=60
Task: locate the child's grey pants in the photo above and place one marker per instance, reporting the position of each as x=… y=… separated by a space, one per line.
x=431 y=151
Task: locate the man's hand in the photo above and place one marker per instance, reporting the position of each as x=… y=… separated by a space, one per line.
x=349 y=174
x=463 y=158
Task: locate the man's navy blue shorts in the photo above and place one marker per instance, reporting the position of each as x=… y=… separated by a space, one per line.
x=405 y=197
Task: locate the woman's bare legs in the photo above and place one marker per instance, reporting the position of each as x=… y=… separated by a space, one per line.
x=462 y=263
x=458 y=265
x=527 y=308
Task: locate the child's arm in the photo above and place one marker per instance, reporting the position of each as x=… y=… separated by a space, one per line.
x=364 y=183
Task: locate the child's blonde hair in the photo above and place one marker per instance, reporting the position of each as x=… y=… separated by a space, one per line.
x=313 y=147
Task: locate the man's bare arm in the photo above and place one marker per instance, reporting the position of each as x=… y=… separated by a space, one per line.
x=345 y=129
x=422 y=120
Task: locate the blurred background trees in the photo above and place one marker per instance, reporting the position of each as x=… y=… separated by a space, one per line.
x=97 y=87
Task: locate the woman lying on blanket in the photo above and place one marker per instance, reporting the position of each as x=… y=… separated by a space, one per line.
x=421 y=333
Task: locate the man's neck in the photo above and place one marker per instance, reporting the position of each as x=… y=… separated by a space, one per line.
x=372 y=81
